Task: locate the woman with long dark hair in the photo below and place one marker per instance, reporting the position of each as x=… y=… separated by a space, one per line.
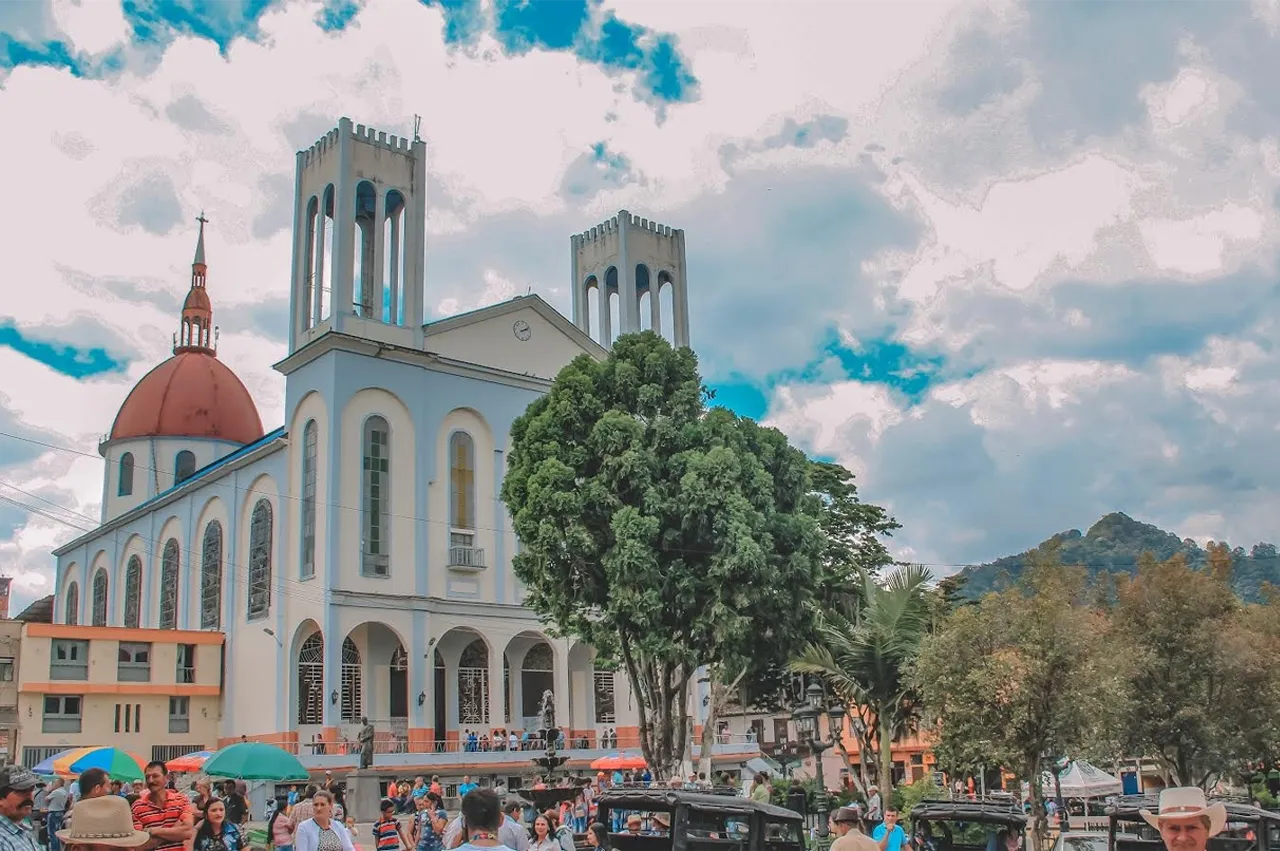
x=216 y=833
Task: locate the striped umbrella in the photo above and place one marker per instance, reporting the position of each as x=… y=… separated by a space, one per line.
x=121 y=765
x=46 y=767
x=187 y=763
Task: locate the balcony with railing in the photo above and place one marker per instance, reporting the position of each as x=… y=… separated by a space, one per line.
x=467 y=558
x=394 y=750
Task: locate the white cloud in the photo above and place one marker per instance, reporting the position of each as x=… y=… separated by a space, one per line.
x=1037 y=272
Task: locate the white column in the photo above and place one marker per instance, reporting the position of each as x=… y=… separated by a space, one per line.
x=655 y=305
x=495 y=718
x=317 y=280
x=560 y=680
x=379 y=254
x=397 y=222
x=606 y=320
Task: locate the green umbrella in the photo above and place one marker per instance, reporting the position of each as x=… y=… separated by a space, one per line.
x=255 y=761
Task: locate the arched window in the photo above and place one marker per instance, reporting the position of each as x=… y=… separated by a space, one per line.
x=462 y=481
x=375 y=553
x=73 y=604
x=309 y=440
x=125 y=475
x=352 y=686
x=211 y=577
x=133 y=592
x=260 y=560
x=473 y=683
x=311 y=680
x=169 y=585
x=99 y=613
x=183 y=466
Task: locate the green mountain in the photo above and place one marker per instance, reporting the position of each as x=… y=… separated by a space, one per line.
x=1113 y=545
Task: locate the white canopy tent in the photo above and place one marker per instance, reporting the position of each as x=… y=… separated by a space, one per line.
x=1082 y=780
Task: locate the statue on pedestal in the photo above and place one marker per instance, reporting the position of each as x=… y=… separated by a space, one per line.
x=548 y=713
x=366 y=743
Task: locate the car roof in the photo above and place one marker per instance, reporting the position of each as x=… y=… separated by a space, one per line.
x=705 y=801
x=1129 y=807
x=980 y=810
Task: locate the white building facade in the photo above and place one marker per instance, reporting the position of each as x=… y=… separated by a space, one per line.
x=359 y=557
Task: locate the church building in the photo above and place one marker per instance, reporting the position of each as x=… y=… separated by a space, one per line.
x=357 y=557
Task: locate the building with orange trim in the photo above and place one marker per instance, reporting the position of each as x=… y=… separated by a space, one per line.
x=156 y=693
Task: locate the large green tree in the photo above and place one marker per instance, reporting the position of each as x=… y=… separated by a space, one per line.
x=864 y=649
x=1020 y=676
x=663 y=533
x=1201 y=685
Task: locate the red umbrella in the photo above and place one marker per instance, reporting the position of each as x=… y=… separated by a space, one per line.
x=619 y=762
x=189 y=762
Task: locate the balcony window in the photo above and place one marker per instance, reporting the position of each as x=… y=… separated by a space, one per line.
x=134 y=664
x=186 y=673
x=69 y=660
x=62 y=713
x=179 y=715
x=6 y=669
x=463 y=552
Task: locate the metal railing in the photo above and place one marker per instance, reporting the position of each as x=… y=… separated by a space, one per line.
x=466 y=557
x=394 y=738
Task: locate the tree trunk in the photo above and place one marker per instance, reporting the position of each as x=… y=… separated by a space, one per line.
x=661 y=692
x=886 y=759
x=718 y=696
x=1041 y=829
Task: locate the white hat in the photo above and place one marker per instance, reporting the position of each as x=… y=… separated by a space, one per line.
x=105 y=820
x=1187 y=802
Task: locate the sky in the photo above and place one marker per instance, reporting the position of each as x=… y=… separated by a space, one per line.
x=1011 y=263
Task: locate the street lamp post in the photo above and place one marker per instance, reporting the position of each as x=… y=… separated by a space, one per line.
x=809 y=729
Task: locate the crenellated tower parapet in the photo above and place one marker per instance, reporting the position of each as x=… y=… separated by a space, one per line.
x=637 y=260
x=359 y=255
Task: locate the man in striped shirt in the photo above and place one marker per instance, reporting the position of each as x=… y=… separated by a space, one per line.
x=162 y=812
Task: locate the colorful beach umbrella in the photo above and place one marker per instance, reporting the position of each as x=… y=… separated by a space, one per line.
x=256 y=761
x=121 y=765
x=187 y=763
x=46 y=767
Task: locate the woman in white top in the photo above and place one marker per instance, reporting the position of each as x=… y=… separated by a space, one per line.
x=322 y=832
x=544 y=838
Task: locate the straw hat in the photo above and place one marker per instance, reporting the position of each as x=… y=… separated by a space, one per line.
x=103 y=821
x=1187 y=802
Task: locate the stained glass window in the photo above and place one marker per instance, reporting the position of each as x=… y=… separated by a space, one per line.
x=211 y=577
x=375 y=547
x=309 y=441
x=260 y=534
x=99 y=616
x=169 y=585
x=133 y=593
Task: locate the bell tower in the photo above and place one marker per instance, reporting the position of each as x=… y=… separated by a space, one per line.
x=359 y=237
x=639 y=261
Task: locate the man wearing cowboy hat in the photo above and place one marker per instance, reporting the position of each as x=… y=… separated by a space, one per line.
x=1185 y=819
x=103 y=824
x=847 y=824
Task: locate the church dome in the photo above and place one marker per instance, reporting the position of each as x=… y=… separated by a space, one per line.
x=192 y=394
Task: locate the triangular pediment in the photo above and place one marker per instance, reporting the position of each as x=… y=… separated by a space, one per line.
x=525 y=336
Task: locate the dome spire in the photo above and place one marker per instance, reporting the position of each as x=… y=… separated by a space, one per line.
x=195 y=329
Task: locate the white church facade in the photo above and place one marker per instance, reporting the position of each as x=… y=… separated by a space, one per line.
x=358 y=558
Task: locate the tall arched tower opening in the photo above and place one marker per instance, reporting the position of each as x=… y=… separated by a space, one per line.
x=359 y=241
x=629 y=276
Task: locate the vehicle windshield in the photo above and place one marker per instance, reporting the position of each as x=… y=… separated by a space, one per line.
x=949 y=834
x=1082 y=842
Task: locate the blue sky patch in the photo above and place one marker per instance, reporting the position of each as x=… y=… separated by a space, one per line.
x=53 y=54
x=880 y=361
x=336 y=14
x=155 y=21
x=68 y=360
x=463 y=19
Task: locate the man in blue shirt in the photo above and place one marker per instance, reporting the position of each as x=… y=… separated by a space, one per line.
x=465 y=786
x=889 y=834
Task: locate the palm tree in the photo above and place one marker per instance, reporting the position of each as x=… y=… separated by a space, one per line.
x=864 y=650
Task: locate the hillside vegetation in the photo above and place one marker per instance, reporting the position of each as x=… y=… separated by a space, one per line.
x=1114 y=544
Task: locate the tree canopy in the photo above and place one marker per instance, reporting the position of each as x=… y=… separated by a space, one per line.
x=1019 y=676
x=668 y=534
x=1201 y=689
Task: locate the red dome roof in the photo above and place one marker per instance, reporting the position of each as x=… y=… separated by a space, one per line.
x=192 y=394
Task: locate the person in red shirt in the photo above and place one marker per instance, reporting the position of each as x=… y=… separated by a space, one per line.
x=162 y=812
